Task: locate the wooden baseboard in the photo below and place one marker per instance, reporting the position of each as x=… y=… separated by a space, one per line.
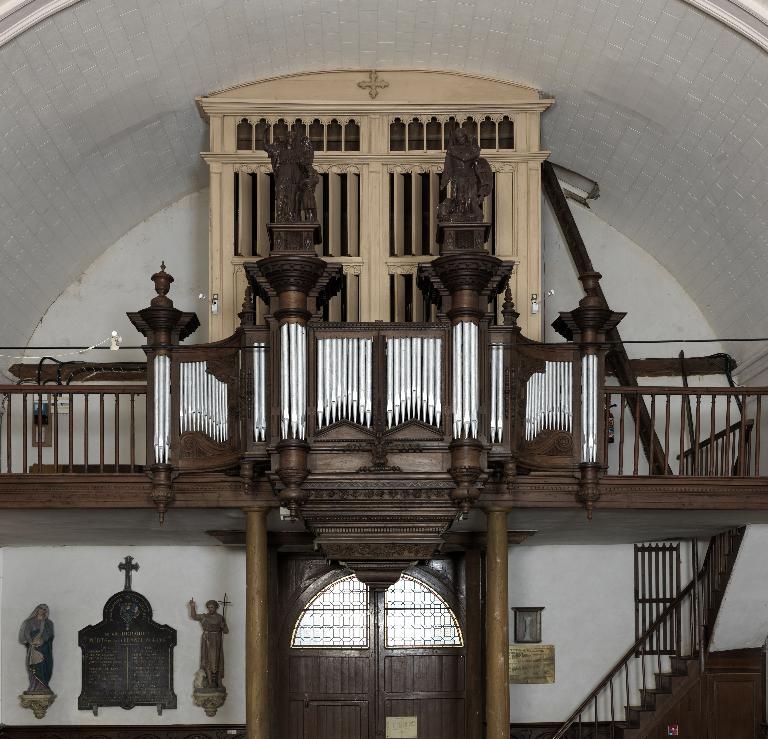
x=179 y=731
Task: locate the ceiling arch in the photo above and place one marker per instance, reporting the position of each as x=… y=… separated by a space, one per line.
x=662 y=104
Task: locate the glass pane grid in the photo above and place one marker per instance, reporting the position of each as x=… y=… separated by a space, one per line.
x=337 y=617
x=415 y=616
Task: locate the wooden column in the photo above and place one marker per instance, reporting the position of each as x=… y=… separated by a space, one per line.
x=256 y=625
x=497 y=629
x=474 y=654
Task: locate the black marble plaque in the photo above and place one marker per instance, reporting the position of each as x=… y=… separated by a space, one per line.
x=127 y=658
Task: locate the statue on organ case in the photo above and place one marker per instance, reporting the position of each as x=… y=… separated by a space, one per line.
x=469 y=177
x=295 y=178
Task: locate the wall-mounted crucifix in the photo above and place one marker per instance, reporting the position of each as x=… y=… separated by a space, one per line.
x=129 y=567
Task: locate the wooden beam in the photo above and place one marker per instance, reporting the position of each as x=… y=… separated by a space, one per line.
x=671 y=367
x=617 y=357
x=82 y=372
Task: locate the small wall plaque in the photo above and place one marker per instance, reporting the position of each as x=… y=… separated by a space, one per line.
x=528 y=625
x=402 y=727
x=532 y=665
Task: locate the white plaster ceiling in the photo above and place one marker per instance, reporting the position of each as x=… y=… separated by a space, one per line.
x=666 y=107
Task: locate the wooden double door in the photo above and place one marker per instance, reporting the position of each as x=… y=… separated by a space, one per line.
x=377 y=690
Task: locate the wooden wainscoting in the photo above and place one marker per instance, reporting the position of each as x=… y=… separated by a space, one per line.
x=180 y=731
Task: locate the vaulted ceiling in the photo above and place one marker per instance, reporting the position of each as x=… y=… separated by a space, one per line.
x=662 y=104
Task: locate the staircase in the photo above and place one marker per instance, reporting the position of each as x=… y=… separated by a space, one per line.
x=630 y=700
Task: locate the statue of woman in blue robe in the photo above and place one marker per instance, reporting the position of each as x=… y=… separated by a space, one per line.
x=36 y=634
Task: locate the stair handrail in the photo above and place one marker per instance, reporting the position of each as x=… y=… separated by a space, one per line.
x=701 y=636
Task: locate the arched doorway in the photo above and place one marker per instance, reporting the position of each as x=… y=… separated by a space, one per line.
x=357 y=663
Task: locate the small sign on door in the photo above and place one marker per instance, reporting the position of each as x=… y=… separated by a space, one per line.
x=402 y=727
x=673 y=730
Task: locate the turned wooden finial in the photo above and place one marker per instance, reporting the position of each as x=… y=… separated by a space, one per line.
x=162 y=280
x=247 y=314
x=508 y=312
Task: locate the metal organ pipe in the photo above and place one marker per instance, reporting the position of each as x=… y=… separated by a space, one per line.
x=465 y=379
x=413 y=380
x=259 y=391
x=497 y=393
x=589 y=408
x=293 y=387
x=548 y=399
x=203 y=401
x=344 y=381
x=162 y=368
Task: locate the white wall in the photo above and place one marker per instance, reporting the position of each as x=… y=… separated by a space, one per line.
x=588 y=596
x=76 y=582
x=118 y=281
x=743 y=619
x=633 y=281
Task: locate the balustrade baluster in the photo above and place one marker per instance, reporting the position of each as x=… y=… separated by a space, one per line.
x=39 y=434
x=54 y=419
x=682 y=467
x=711 y=448
x=101 y=432
x=133 y=432
x=8 y=433
x=70 y=430
x=742 y=468
x=758 y=415
x=696 y=435
x=25 y=433
x=636 y=453
x=653 y=431
x=728 y=458
x=622 y=410
x=86 y=399
x=667 y=424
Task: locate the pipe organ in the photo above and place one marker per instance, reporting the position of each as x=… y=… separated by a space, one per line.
x=497 y=393
x=380 y=161
x=344 y=381
x=293 y=381
x=414 y=372
x=549 y=400
x=465 y=385
x=162 y=392
x=203 y=405
x=589 y=408
x=260 y=411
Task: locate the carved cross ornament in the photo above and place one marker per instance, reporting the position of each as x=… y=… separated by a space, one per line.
x=373 y=84
x=129 y=567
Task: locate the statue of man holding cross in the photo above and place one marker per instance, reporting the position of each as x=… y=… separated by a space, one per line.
x=212 y=641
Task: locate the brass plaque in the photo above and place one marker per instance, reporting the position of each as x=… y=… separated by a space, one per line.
x=531 y=664
x=402 y=727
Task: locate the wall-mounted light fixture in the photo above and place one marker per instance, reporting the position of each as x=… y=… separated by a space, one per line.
x=534 y=303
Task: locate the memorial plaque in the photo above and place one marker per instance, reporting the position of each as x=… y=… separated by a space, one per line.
x=532 y=664
x=127 y=658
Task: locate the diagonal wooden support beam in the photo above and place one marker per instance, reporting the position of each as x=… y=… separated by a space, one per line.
x=617 y=357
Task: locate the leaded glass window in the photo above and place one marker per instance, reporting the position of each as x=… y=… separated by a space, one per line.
x=416 y=616
x=337 y=617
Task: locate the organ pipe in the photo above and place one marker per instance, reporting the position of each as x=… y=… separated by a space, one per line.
x=293 y=387
x=548 y=400
x=589 y=408
x=162 y=409
x=344 y=381
x=413 y=380
x=259 y=391
x=465 y=379
x=203 y=401
x=497 y=393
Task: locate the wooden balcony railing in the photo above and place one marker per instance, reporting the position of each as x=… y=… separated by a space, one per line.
x=60 y=429
x=222 y=404
x=703 y=431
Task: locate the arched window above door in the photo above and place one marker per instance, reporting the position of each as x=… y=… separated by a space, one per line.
x=416 y=616
x=338 y=617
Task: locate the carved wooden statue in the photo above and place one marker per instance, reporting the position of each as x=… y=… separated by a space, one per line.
x=211 y=643
x=295 y=178
x=36 y=634
x=469 y=178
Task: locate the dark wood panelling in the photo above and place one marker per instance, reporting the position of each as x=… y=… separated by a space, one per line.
x=423 y=673
x=335 y=719
x=189 y=731
x=438 y=718
x=318 y=674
